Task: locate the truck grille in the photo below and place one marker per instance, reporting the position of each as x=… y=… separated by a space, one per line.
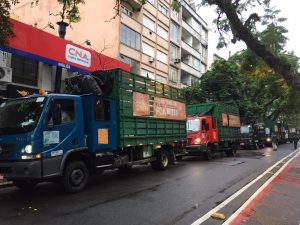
x=7 y=149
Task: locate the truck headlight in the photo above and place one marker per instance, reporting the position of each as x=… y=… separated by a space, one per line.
x=197 y=141
x=268 y=139
x=28 y=149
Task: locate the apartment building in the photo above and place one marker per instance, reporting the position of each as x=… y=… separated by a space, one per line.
x=156 y=41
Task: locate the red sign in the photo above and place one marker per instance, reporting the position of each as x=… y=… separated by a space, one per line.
x=42 y=46
x=168 y=109
x=234 y=121
x=141 y=104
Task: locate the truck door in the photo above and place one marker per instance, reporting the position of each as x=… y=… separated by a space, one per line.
x=204 y=130
x=105 y=124
x=61 y=134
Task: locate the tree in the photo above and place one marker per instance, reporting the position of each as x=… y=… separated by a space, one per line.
x=5 y=25
x=70 y=12
x=241 y=29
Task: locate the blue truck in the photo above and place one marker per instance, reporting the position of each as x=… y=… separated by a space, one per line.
x=69 y=137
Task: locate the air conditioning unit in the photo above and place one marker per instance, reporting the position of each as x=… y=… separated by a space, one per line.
x=151 y=59
x=176 y=60
x=5 y=74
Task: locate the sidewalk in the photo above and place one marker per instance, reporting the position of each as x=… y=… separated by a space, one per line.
x=278 y=203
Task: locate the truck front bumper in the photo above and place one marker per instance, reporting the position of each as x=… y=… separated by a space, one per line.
x=21 y=169
x=195 y=150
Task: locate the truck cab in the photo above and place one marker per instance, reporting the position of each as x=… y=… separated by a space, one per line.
x=44 y=137
x=202 y=134
x=253 y=136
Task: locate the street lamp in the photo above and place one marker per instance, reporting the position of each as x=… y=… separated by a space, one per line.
x=62 y=28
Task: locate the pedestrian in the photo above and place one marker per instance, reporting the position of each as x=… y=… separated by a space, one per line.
x=295 y=140
x=274 y=141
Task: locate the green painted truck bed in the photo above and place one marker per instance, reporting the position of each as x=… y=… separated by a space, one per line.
x=145 y=129
x=227 y=116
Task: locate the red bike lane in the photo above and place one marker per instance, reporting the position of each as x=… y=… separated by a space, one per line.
x=278 y=203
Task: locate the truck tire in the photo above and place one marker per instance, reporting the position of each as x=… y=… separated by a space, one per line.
x=231 y=152
x=25 y=185
x=209 y=154
x=76 y=176
x=161 y=162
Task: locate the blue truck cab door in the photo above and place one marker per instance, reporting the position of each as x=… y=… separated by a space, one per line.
x=101 y=126
x=63 y=131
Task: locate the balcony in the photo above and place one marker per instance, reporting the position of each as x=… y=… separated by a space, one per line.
x=135 y=4
x=191 y=30
x=185 y=67
x=190 y=50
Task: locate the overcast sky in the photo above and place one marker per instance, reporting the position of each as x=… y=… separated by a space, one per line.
x=289 y=9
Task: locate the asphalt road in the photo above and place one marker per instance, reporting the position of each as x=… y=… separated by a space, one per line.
x=179 y=195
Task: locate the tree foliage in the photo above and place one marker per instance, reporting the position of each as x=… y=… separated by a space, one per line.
x=5 y=25
x=70 y=10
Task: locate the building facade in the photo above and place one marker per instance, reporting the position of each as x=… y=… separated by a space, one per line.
x=156 y=41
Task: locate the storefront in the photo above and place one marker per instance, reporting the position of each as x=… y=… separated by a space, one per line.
x=29 y=62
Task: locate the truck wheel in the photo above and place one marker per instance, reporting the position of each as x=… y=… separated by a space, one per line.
x=161 y=162
x=26 y=185
x=75 y=177
x=231 y=152
x=209 y=153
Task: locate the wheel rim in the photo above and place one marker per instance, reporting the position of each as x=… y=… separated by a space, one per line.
x=164 y=160
x=77 y=177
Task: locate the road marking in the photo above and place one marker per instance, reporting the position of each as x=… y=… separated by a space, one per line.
x=234 y=215
x=236 y=194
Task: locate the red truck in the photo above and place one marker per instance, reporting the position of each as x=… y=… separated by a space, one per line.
x=212 y=127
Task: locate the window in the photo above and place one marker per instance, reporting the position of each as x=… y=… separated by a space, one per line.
x=162 y=57
x=203 y=68
x=204 y=125
x=195 y=63
x=126 y=11
x=148 y=50
x=148 y=23
x=196 y=26
x=161 y=79
x=163 y=9
x=130 y=37
x=151 y=2
x=25 y=71
x=134 y=65
x=174 y=32
x=101 y=109
x=174 y=53
x=147 y=73
x=174 y=12
x=162 y=32
x=173 y=75
x=67 y=111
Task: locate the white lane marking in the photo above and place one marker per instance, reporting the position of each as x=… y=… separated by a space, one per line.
x=234 y=215
x=236 y=194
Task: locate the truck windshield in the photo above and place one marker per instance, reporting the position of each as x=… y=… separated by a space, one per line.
x=20 y=115
x=245 y=129
x=193 y=126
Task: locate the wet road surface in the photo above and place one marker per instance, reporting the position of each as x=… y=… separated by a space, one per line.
x=179 y=195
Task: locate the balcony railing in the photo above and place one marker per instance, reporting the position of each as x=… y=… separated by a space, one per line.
x=191 y=30
x=191 y=50
x=190 y=70
x=135 y=4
